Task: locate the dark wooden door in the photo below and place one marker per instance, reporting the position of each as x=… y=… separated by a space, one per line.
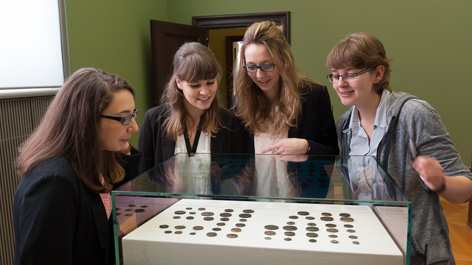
x=166 y=38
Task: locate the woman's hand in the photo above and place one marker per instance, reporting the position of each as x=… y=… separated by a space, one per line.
x=288 y=146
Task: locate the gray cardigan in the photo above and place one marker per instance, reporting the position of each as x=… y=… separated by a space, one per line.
x=415 y=128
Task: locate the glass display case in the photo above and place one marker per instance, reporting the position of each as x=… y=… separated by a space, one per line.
x=262 y=209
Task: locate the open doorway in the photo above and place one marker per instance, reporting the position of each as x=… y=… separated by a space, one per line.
x=167 y=37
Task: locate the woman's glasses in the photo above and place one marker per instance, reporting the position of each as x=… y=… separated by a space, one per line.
x=125 y=120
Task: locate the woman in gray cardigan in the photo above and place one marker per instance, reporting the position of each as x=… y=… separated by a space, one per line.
x=407 y=137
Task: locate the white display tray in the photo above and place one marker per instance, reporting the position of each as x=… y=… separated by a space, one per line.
x=242 y=232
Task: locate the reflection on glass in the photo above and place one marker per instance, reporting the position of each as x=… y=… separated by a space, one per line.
x=350 y=178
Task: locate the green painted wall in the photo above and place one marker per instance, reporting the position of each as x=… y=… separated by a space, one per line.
x=115 y=36
x=429 y=42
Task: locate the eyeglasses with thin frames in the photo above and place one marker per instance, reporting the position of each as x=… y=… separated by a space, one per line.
x=125 y=120
x=250 y=68
x=347 y=77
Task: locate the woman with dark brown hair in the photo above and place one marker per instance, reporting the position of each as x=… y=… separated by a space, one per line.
x=68 y=166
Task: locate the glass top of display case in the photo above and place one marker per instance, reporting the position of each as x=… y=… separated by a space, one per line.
x=192 y=201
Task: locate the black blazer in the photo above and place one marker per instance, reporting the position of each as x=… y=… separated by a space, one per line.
x=315 y=123
x=157 y=148
x=57 y=220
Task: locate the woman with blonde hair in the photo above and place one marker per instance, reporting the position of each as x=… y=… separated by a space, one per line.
x=189 y=119
x=62 y=207
x=286 y=113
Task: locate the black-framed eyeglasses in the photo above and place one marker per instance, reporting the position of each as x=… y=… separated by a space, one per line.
x=347 y=77
x=250 y=68
x=125 y=120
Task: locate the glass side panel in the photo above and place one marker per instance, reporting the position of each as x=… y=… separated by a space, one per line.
x=296 y=181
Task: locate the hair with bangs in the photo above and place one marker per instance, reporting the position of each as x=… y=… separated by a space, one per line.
x=252 y=107
x=361 y=50
x=69 y=128
x=193 y=62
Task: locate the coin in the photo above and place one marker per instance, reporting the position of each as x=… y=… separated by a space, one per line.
x=303 y=213
x=225 y=215
x=290 y=228
x=324 y=218
x=208 y=218
x=330 y=225
x=179 y=212
x=211 y=234
x=245 y=215
x=163 y=226
x=326 y=214
x=231 y=236
x=269 y=233
x=289 y=233
x=236 y=230
x=311 y=234
x=180 y=227
x=332 y=230
x=344 y=215
x=347 y=219
x=312 y=228
x=271 y=227
x=207 y=214
x=248 y=211
x=198 y=227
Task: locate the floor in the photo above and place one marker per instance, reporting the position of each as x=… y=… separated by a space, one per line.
x=460 y=232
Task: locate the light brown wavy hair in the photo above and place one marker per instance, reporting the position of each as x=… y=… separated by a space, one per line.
x=69 y=128
x=361 y=50
x=251 y=105
x=192 y=62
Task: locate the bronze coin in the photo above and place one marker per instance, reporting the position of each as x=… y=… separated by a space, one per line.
x=192 y=233
x=198 y=227
x=355 y=242
x=353 y=237
x=312 y=228
x=163 y=226
x=344 y=215
x=220 y=224
x=243 y=220
x=201 y=209
x=192 y=212
x=334 y=241
x=267 y=238
x=311 y=224
x=188 y=208
x=347 y=219
x=237 y=230
x=330 y=225
x=178 y=232
x=248 y=211
x=324 y=218
x=303 y=213
x=240 y=225
x=271 y=227
x=216 y=229
x=351 y=231
x=311 y=234
x=189 y=218
x=225 y=215
x=231 y=236
x=290 y=228
x=326 y=214
x=229 y=210
x=180 y=227
x=310 y=218
x=176 y=217
x=168 y=232
x=333 y=236
x=211 y=234
x=207 y=214
x=289 y=233
x=312 y=240
x=332 y=230
x=287 y=239
x=348 y=226
x=179 y=212
x=224 y=219
x=245 y=215
x=293 y=217
x=290 y=223
x=269 y=233
x=208 y=218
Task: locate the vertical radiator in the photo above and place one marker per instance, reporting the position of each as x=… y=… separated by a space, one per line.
x=18 y=118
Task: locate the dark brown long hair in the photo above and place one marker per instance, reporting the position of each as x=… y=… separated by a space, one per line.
x=69 y=129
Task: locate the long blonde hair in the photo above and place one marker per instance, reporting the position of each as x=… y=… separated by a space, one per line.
x=192 y=62
x=69 y=128
x=252 y=107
